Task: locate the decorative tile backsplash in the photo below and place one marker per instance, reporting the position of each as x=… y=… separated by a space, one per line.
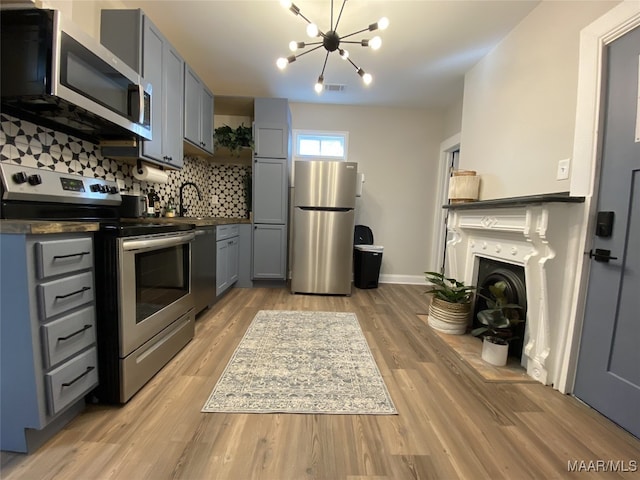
x=31 y=145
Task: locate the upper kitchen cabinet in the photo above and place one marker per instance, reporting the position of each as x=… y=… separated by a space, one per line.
x=198 y=114
x=272 y=120
x=132 y=36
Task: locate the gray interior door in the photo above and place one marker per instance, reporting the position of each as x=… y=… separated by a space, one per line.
x=608 y=375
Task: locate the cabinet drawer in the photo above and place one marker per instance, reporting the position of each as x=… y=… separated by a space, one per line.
x=227 y=231
x=71 y=380
x=66 y=336
x=54 y=257
x=61 y=295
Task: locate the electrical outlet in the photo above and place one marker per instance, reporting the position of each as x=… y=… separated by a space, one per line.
x=136 y=189
x=563 y=169
x=214 y=199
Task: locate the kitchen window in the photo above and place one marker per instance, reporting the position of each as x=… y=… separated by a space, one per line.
x=318 y=144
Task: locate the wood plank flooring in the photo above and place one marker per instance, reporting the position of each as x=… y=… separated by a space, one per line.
x=451 y=423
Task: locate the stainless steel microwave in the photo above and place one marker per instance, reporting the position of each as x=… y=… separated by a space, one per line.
x=55 y=74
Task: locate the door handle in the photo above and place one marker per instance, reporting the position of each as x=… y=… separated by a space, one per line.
x=601 y=255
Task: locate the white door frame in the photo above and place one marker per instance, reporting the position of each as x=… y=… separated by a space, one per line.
x=447 y=148
x=586 y=159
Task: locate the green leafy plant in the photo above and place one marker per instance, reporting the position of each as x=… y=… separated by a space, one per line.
x=500 y=317
x=449 y=289
x=233 y=139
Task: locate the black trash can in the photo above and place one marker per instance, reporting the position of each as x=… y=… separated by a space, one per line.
x=367 y=258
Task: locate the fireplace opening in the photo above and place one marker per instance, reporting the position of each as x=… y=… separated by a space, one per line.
x=491 y=271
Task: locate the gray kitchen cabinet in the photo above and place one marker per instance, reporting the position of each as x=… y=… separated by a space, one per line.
x=272 y=133
x=132 y=36
x=198 y=113
x=269 y=252
x=270 y=188
x=48 y=354
x=245 y=242
x=227 y=256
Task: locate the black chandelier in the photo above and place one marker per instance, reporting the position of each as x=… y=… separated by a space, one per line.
x=331 y=42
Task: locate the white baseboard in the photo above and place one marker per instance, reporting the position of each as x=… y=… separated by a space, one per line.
x=405 y=279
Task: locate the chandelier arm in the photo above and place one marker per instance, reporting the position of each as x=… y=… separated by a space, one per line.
x=351 y=62
x=354 y=33
x=331 y=23
x=339 y=15
x=324 y=65
x=350 y=41
x=308 y=51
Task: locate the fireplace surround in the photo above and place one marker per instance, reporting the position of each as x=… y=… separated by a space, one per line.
x=539 y=234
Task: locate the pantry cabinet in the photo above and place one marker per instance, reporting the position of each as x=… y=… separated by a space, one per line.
x=272 y=157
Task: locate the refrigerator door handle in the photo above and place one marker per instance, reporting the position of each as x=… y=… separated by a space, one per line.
x=325 y=209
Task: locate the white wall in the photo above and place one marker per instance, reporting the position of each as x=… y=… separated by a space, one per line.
x=452 y=120
x=397 y=150
x=85 y=13
x=519 y=105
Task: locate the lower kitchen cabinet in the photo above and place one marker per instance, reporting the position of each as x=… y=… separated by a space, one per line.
x=227 y=257
x=48 y=355
x=269 y=252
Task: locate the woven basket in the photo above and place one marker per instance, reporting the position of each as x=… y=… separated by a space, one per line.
x=446 y=317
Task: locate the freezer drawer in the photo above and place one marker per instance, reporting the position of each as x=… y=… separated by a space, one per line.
x=322 y=251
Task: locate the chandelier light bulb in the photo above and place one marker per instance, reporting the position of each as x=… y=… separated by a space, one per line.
x=293 y=46
x=383 y=23
x=319 y=84
x=282 y=63
x=285 y=4
x=312 y=30
x=344 y=54
x=375 y=43
x=367 y=78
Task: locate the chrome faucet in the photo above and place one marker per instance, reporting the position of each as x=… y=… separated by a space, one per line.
x=183 y=209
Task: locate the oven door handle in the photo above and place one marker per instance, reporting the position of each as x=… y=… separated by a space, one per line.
x=156 y=243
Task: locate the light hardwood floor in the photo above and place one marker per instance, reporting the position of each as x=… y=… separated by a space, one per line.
x=451 y=423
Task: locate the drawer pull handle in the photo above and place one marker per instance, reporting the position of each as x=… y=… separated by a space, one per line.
x=56 y=257
x=68 y=384
x=85 y=327
x=82 y=290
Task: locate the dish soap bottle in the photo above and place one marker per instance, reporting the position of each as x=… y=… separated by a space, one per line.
x=170 y=211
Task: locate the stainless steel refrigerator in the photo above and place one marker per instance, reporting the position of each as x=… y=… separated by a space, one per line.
x=323 y=220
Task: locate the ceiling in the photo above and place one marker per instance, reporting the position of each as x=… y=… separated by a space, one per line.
x=428 y=47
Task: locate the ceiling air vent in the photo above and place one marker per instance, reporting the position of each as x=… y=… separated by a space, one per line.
x=333 y=87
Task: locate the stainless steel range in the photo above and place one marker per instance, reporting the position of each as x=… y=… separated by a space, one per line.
x=144 y=304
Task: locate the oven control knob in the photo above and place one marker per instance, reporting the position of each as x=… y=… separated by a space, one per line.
x=113 y=190
x=35 y=179
x=104 y=189
x=95 y=187
x=20 y=177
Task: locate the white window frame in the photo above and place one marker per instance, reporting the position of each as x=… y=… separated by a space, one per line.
x=319 y=133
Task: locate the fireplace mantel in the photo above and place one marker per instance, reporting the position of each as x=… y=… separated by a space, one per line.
x=538 y=236
x=561 y=197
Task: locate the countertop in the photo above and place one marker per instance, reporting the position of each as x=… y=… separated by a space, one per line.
x=36 y=227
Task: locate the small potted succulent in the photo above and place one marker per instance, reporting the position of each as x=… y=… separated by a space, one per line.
x=450 y=306
x=498 y=322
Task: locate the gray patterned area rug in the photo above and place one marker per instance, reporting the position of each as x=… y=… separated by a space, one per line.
x=302 y=362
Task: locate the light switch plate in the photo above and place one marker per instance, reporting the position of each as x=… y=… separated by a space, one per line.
x=563 y=169
x=214 y=199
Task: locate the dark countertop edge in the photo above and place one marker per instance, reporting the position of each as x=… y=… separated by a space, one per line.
x=197 y=221
x=37 y=227
x=561 y=197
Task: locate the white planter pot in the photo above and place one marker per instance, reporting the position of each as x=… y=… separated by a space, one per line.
x=494 y=353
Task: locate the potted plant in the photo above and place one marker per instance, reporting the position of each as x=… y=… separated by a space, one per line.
x=233 y=139
x=450 y=305
x=498 y=322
